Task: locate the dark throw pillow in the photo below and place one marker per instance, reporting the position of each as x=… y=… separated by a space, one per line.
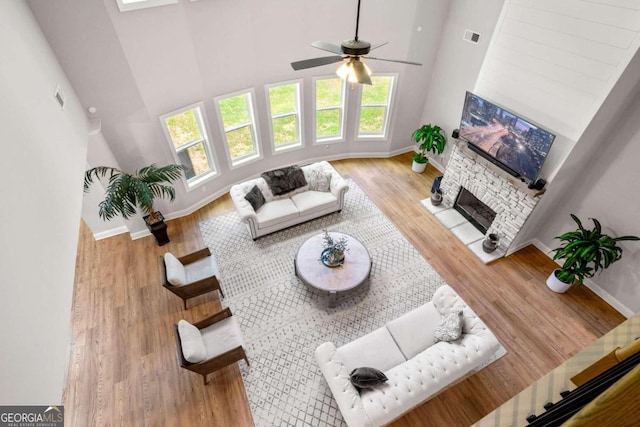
x=450 y=328
x=255 y=197
x=366 y=378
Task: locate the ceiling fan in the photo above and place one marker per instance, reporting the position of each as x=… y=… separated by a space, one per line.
x=354 y=70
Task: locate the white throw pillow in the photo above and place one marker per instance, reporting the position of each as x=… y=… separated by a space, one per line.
x=193 y=348
x=176 y=274
x=318 y=180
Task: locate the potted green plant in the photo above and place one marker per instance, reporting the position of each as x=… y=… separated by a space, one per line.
x=429 y=138
x=585 y=252
x=126 y=192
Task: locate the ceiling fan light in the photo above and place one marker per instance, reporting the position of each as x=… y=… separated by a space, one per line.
x=345 y=70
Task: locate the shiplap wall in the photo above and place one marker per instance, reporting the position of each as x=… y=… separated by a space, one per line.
x=555 y=62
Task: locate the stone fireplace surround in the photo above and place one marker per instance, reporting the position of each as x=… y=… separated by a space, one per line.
x=512 y=201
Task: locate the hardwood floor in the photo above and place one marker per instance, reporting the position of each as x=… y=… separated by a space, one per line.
x=124 y=370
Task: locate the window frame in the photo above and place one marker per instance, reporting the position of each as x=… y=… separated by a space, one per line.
x=298 y=112
x=388 y=112
x=201 y=119
x=143 y=4
x=250 y=97
x=343 y=107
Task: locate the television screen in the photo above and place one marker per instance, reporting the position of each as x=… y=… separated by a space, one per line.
x=517 y=145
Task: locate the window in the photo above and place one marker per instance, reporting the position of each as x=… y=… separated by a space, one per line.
x=284 y=109
x=237 y=117
x=375 y=103
x=330 y=101
x=127 y=5
x=185 y=130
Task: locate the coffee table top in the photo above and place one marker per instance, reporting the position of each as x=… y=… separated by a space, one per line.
x=353 y=272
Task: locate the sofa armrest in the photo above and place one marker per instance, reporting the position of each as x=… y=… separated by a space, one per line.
x=242 y=205
x=345 y=394
x=338 y=185
x=446 y=299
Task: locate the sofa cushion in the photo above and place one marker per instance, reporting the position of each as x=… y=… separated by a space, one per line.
x=413 y=332
x=376 y=349
x=255 y=198
x=450 y=327
x=311 y=201
x=193 y=349
x=277 y=211
x=366 y=377
x=176 y=274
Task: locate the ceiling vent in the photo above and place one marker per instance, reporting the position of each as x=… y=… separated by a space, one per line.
x=471 y=36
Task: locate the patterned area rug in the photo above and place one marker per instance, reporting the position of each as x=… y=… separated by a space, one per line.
x=283 y=321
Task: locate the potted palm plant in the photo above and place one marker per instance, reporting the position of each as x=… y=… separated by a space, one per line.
x=429 y=138
x=585 y=252
x=126 y=192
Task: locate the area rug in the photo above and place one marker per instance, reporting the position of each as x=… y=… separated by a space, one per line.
x=283 y=321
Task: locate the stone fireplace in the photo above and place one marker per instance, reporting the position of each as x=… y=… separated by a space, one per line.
x=490 y=191
x=477 y=213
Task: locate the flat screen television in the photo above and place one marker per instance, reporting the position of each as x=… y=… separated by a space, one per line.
x=507 y=140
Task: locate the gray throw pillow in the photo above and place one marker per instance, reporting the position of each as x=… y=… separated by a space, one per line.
x=366 y=378
x=255 y=197
x=450 y=328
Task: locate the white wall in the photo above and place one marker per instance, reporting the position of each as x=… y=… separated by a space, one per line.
x=555 y=62
x=136 y=66
x=458 y=62
x=41 y=166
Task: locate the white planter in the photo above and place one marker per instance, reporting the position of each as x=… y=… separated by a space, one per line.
x=418 y=167
x=557 y=285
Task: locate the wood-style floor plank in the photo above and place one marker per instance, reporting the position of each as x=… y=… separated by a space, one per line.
x=124 y=369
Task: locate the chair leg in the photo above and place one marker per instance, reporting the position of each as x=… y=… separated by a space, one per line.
x=204 y=379
x=221 y=293
x=184 y=301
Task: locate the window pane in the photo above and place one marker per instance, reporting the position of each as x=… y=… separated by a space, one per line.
x=183 y=128
x=234 y=111
x=328 y=123
x=240 y=142
x=194 y=159
x=372 y=120
x=285 y=130
x=282 y=99
x=328 y=92
x=378 y=92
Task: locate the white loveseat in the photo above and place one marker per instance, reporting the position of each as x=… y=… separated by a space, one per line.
x=297 y=206
x=415 y=367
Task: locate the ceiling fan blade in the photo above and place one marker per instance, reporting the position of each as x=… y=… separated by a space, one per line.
x=315 y=62
x=361 y=73
x=392 y=60
x=375 y=46
x=329 y=47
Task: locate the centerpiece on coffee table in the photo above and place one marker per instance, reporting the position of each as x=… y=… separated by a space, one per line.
x=334 y=249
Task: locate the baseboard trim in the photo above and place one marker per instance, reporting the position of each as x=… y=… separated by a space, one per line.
x=597 y=289
x=110 y=233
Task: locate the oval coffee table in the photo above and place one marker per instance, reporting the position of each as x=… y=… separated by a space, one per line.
x=352 y=273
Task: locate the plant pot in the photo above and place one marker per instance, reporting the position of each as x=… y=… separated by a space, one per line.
x=490 y=243
x=557 y=285
x=158 y=228
x=436 y=197
x=418 y=167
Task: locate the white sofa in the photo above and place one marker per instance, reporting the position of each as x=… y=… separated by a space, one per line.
x=415 y=367
x=294 y=207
